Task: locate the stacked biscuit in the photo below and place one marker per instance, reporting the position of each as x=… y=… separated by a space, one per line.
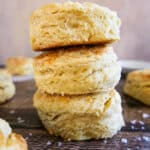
x=76 y=76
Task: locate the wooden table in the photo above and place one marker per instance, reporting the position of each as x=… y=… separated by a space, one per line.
x=23 y=118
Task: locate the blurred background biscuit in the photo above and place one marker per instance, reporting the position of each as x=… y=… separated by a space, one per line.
x=20 y=65
x=77 y=70
x=7 y=87
x=138 y=85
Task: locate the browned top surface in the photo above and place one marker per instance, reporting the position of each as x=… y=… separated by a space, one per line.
x=77 y=52
x=140 y=75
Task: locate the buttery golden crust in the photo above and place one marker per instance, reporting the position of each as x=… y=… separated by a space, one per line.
x=73 y=23
x=75 y=54
x=138 y=85
x=16 y=142
x=140 y=75
x=9 y=140
x=20 y=65
x=7 y=87
x=88 y=104
x=80 y=117
x=2 y=141
x=77 y=70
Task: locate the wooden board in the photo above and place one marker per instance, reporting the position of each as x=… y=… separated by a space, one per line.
x=21 y=115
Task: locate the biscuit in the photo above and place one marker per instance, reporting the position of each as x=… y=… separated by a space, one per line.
x=20 y=65
x=9 y=140
x=73 y=23
x=138 y=85
x=7 y=87
x=80 y=117
x=77 y=70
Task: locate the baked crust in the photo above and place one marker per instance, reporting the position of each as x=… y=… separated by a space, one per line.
x=9 y=140
x=138 y=85
x=80 y=117
x=7 y=87
x=73 y=23
x=77 y=70
x=20 y=65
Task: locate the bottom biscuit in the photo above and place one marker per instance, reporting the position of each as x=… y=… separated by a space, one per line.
x=86 y=122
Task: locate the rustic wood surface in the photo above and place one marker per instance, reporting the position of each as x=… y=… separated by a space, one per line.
x=20 y=108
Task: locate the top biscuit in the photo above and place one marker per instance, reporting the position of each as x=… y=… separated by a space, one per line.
x=73 y=23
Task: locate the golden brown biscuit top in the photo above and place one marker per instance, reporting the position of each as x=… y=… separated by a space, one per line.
x=19 y=61
x=139 y=75
x=72 y=54
x=73 y=23
x=74 y=7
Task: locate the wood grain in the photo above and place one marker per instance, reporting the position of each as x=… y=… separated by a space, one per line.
x=134 y=44
x=37 y=137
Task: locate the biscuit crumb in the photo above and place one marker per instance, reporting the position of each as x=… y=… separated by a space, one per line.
x=12 y=111
x=20 y=120
x=141 y=122
x=142 y=128
x=138 y=139
x=59 y=144
x=105 y=141
x=132 y=127
x=146 y=138
x=48 y=143
x=133 y=121
x=30 y=134
x=145 y=115
x=124 y=140
x=26 y=138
